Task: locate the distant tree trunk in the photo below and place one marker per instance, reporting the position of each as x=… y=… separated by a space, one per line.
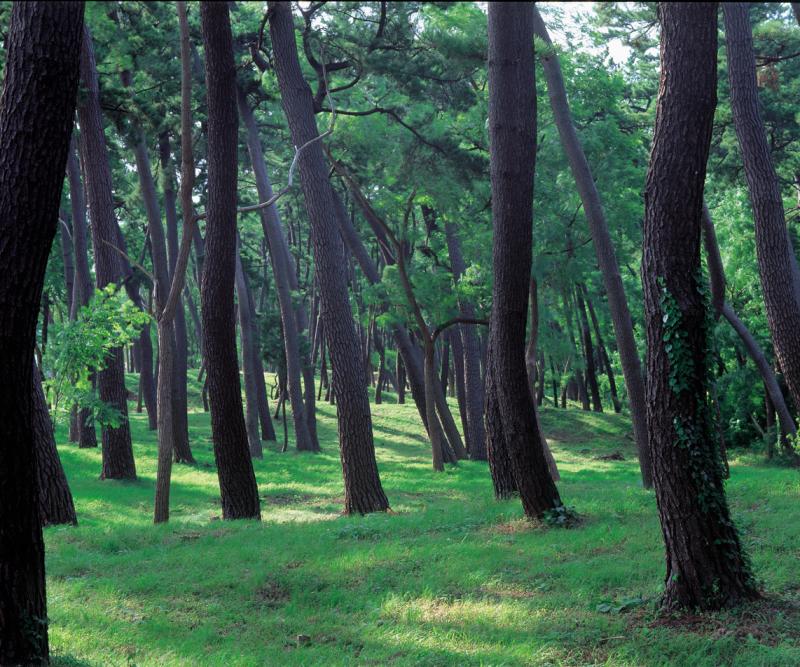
x=776 y=262
x=42 y=49
x=512 y=133
x=55 y=499
x=363 y=490
x=237 y=479
x=474 y=433
x=400 y=371
x=705 y=564
x=459 y=374
x=180 y=400
x=282 y=270
x=604 y=247
x=612 y=383
x=717 y=274
x=579 y=379
x=248 y=360
x=589 y=352
x=118 y=460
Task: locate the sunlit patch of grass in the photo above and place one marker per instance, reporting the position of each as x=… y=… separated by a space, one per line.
x=452 y=577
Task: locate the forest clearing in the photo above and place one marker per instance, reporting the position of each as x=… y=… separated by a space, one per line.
x=416 y=333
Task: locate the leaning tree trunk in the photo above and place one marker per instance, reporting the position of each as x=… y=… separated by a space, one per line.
x=237 y=479
x=36 y=114
x=717 y=274
x=280 y=261
x=776 y=263
x=118 y=460
x=475 y=434
x=363 y=491
x=55 y=499
x=706 y=567
x=512 y=135
x=604 y=247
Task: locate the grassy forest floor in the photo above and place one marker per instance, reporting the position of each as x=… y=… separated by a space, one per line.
x=452 y=577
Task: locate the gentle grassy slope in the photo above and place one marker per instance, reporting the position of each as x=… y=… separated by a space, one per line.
x=451 y=578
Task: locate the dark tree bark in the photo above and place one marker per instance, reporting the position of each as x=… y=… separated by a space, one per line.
x=118 y=460
x=776 y=262
x=706 y=567
x=283 y=271
x=512 y=134
x=474 y=433
x=589 y=353
x=606 y=361
x=249 y=354
x=578 y=379
x=55 y=499
x=604 y=248
x=180 y=401
x=363 y=491
x=36 y=114
x=237 y=479
x=400 y=372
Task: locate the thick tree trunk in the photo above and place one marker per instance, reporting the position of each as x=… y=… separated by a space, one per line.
x=55 y=499
x=283 y=271
x=36 y=115
x=363 y=491
x=118 y=460
x=776 y=262
x=512 y=133
x=474 y=433
x=249 y=354
x=237 y=479
x=604 y=248
x=706 y=567
x=180 y=401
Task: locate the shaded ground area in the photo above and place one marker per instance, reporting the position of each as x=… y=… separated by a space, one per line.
x=451 y=578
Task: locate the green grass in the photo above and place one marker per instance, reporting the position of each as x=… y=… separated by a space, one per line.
x=452 y=577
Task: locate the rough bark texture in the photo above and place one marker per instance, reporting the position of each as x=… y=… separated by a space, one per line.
x=706 y=567
x=118 y=460
x=55 y=499
x=363 y=491
x=776 y=264
x=237 y=479
x=36 y=113
x=604 y=248
x=282 y=268
x=474 y=433
x=512 y=134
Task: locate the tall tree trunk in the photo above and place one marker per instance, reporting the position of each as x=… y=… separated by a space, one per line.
x=180 y=401
x=474 y=433
x=249 y=353
x=36 y=114
x=604 y=248
x=458 y=363
x=706 y=567
x=579 y=379
x=363 y=490
x=55 y=499
x=283 y=271
x=237 y=479
x=512 y=134
x=612 y=383
x=118 y=460
x=776 y=262
x=400 y=371
x=589 y=353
